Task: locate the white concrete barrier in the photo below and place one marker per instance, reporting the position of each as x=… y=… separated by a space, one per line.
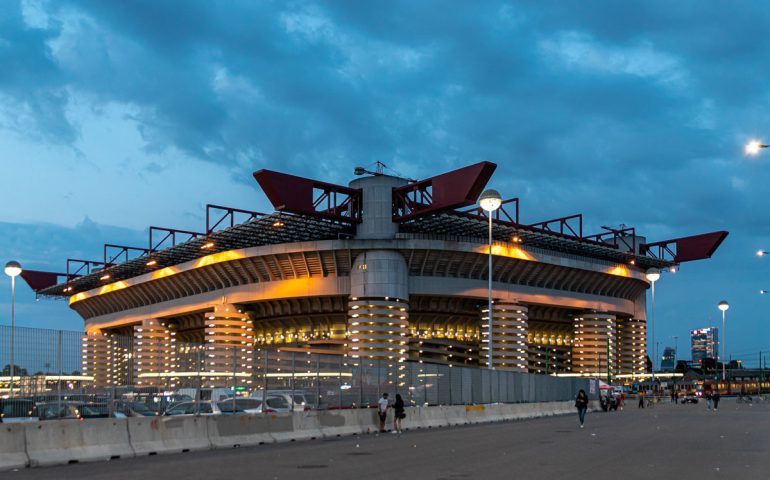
x=429 y=417
x=307 y=426
x=231 y=431
x=158 y=435
x=13 y=452
x=59 y=442
x=282 y=426
x=337 y=423
x=456 y=415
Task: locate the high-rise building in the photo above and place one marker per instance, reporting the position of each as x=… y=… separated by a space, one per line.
x=704 y=343
x=668 y=361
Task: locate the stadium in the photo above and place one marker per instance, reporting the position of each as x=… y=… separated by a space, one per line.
x=384 y=268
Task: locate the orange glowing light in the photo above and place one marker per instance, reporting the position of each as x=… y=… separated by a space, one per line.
x=152 y=263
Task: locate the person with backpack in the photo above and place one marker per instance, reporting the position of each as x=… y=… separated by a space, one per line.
x=581 y=403
x=398 y=413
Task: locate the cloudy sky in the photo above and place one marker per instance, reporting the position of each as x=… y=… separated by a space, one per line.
x=118 y=115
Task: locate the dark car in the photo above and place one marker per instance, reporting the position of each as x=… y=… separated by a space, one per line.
x=690 y=398
x=15 y=410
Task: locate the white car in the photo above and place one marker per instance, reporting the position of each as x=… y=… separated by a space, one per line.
x=295 y=398
x=194 y=408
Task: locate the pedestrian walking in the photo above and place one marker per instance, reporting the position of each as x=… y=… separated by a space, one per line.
x=581 y=403
x=398 y=413
x=640 y=395
x=382 y=410
x=716 y=400
x=708 y=400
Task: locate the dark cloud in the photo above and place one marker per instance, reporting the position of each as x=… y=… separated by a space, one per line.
x=633 y=113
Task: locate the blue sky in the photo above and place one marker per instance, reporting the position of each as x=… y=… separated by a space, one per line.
x=119 y=115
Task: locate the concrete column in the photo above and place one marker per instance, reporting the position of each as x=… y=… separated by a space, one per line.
x=95 y=358
x=152 y=351
x=378 y=309
x=229 y=347
x=377 y=218
x=594 y=344
x=632 y=338
x=509 y=336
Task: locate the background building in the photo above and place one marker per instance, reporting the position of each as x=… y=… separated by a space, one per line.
x=386 y=269
x=668 y=360
x=704 y=343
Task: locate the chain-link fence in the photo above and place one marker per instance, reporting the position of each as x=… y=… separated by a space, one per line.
x=62 y=374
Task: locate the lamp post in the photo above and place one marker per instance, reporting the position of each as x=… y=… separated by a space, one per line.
x=653 y=275
x=490 y=201
x=723 y=305
x=753 y=147
x=12 y=269
x=763 y=291
x=762 y=253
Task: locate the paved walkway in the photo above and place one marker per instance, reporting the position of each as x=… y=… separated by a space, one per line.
x=665 y=442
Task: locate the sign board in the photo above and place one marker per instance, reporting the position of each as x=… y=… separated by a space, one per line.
x=592 y=387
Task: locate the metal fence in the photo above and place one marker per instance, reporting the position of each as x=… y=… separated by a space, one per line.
x=58 y=365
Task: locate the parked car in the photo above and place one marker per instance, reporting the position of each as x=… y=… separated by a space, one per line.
x=215 y=394
x=17 y=410
x=296 y=398
x=242 y=405
x=154 y=403
x=689 y=398
x=194 y=408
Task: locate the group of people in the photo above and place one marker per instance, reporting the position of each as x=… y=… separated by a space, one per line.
x=398 y=412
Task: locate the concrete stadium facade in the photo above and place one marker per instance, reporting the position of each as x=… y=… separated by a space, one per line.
x=382 y=289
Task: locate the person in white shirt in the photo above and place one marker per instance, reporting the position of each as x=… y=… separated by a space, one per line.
x=382 y=410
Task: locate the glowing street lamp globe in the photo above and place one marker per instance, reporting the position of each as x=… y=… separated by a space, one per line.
x=490 y=200
x=12 y=268
x=753 y=147
x=723 y=305
x=653 y=275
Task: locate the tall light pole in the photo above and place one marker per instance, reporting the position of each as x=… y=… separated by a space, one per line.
x=723 y=305
x=12 y=269
x=490 y=201
x=762 y=253
x=653 y=275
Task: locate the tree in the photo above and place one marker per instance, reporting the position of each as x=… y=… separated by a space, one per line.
x=17 y=371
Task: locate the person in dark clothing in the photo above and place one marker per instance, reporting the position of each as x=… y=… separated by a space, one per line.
x=715 y=397
x=581 y=403
x=398 y=413
x=640 y=395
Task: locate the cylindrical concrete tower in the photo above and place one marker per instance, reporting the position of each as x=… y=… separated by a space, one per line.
x=229 y=343
x=378 y=310
x=593 y=350
x=509 y=336
x=377 y=221
x=632 y=334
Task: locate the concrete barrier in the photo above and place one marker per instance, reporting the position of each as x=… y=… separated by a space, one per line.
x=456 y=415
x=232 y=431
x=476 y=413
x=337 y=423
x=307 y=426
x=429 y=417
x=68 y=441
x=13 y=452
x=281 y=426
x=157 y=435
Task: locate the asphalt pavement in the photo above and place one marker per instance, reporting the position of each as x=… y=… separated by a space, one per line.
x=667 y=441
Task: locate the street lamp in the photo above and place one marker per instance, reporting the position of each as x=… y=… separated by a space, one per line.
x=12 y=269
x=723 y=305
x=653 y=275
x=753 y=147
x=490 y=201
x=762 y=253
x=763 y=291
